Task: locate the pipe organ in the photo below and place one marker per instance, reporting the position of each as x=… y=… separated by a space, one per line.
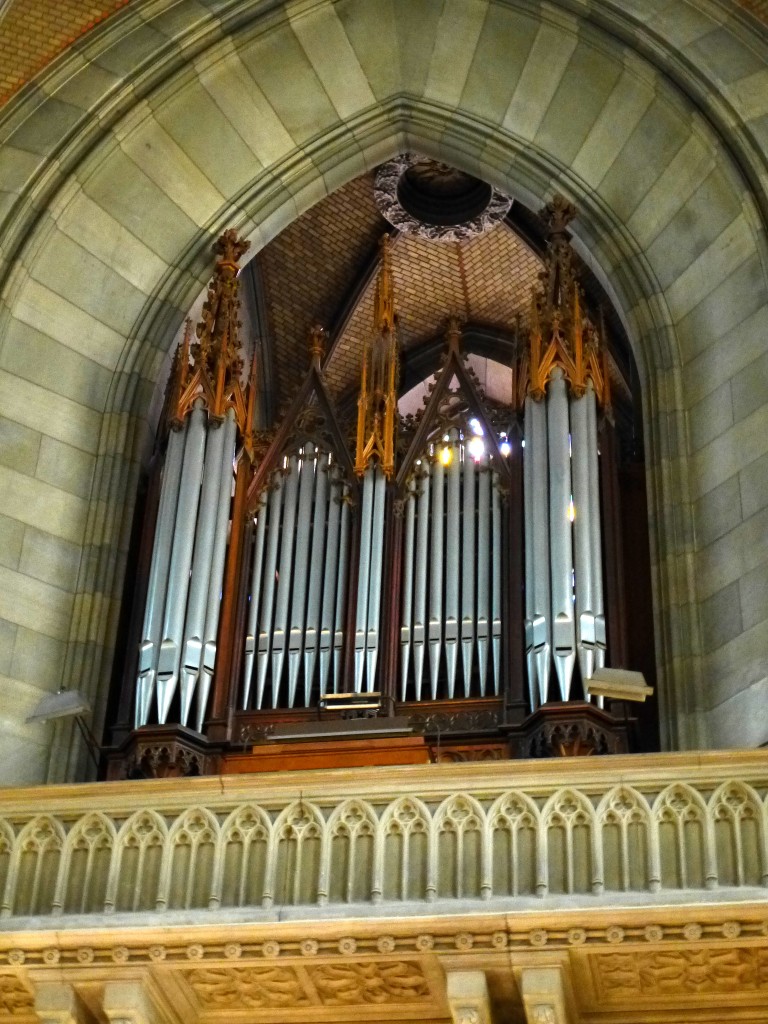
x=387 y=564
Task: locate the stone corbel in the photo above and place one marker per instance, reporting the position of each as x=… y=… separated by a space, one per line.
x=57 y=1002
x=467 y=994
x=127 y=1002
x=543 y=995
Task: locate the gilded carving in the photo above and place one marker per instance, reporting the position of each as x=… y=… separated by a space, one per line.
x=682 y=972
x=359 y=983
x=247 y=987
x=14 y=998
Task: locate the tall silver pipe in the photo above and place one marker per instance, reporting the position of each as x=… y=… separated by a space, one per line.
x=330 y=581
x=316 y=575
x=595 y=528
x=452 y=551
x=158 y=575
x=268 y=586
x=560 y=544
x=287 y=538
x=253 y=607
x=420 y=578
x=538 y=584
x=169 y=660
x=468 y=559
x=218 y=558
x=407 y=609
x=483 y=571
x=341 y=589
x=375 y=579
x=496 y=583
x=583 y=563
x=205 y=534
x=436 y=574
x=530 y=568
x=306 y=468
x=364 y=570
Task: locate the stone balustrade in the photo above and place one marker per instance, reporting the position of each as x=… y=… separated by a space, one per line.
x=413 y=840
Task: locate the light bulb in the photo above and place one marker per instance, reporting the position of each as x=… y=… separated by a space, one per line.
x=446 y=455
x=476 y=448
x=505 y=448
x=571 y=510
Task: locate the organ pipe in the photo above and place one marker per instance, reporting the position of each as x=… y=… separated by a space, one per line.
x=268 y=596
x=364 y=570
x=374 y=579
x=306 y=470
x=218 y=558
x=205 y=535
x=407 y=586
x=341 y=589
x=315 y=576
x=436 y=575
x=253 y=607
x=158 y=575
x=583 y=564
x=452 y=551
x=287 y=534
x=594 y=525
x=181 y=560
x=468 y=557
x=483 y=573
x=420 y=578
x=333 y=569
x=560 y=544
x=496 y=560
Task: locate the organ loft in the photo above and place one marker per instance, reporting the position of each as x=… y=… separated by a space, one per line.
x=391 y=574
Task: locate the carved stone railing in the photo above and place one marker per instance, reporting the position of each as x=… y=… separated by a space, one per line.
x=642 y=827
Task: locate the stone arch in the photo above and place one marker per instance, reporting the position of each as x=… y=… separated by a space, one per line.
x=97 y=288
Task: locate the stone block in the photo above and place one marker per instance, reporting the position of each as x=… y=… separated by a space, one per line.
x=34 y=502
x=65 y=467
x=380 y=63
x=753 y=590
x=721 y=617
x=725 y=55
x=11 y=539
x=711 y=416
x=449 y=65
x=753 y=482
x=581 y=96
x=38 y=659
x=19 y=446
x=717 y=512
x=741 y=720
x=324 y=41
x=749 y=387
x=7 y=639
x=539 y=80
x=416 y=22
x=50 y=559
x=119 y=185
x=730 y=452
x=285 y=75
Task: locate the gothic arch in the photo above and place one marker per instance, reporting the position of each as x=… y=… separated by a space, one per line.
x=97 y=283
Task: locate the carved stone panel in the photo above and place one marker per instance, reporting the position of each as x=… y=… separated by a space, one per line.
x=15 y=999
x=680 y=972
x=346 y=984
x=247 y=987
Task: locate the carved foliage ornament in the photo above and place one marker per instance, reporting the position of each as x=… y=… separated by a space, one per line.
x=14 y=997
x=682 y=972
x=360 y=983
x=250 y=987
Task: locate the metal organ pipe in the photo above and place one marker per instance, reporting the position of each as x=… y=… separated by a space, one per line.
x=201 y=567
x=483 y=571
x=583 y=565
x=315 y=571
x=561 y=551
x=333 y=569
x=496 y=586
x=306 y=469
x=268 y=595
x=420 y=578
x=407 y=614
x=537 y=572
x=364 y=570
x=181 y=560
x=158 y=575
x=594 y=524
x=218 y=557
x=287 y=536
x=468 y=556
x=341 y=587
x=436 y=575
x=253 y=607
x=375 y=576
x=452 y=550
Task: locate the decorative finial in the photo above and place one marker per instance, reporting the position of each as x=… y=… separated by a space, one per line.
x=317 y=344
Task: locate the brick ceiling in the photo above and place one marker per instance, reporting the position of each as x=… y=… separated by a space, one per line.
x=319 y=271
